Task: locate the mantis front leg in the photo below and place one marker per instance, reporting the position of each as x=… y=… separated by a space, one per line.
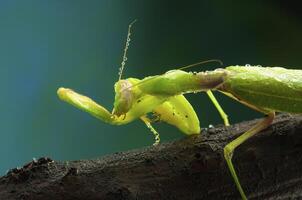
x=175 y=110
x=86 y=104
x=140 y=107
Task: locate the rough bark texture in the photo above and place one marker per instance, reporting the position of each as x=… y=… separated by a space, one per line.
x=269 y=167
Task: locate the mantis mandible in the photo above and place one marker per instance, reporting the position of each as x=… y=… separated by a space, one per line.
x=264 y=89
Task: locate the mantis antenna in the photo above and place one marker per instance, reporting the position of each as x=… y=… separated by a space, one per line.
x=200 y=63
x=125 y=50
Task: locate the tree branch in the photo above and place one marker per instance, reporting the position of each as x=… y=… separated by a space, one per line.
x=268 y=165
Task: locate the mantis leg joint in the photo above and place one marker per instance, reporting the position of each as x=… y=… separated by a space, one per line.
x=228 y=152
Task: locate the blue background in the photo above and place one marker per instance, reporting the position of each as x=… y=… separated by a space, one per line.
x=79 y=44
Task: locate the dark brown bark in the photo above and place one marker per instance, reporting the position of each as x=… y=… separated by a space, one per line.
x=269 y=167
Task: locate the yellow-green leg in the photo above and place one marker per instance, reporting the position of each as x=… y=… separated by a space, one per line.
x=155 y=133
x=229 y=148
x=218 y=107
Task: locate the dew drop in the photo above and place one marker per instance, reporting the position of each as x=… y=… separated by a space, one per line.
x=247 y=65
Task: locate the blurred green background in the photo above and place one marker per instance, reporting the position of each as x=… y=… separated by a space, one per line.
x=79 y=44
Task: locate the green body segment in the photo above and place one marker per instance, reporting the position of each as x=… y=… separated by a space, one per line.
x=268 y=88
x=178 y=112
x=179 y=82
x=86 y=104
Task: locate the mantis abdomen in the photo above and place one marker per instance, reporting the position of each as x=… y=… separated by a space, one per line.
x=267 y=88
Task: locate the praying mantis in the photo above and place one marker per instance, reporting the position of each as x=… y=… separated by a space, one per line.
x=264 y=89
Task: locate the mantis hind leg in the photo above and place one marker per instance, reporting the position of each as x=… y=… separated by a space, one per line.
x=229 y=148
x=218 y=107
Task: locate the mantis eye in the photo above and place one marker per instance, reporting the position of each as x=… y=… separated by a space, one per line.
x=123 y=97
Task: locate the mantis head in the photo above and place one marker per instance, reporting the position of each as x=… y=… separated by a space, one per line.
x=124 y=97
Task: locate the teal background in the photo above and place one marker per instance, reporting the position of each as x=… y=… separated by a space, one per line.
x=79 y=44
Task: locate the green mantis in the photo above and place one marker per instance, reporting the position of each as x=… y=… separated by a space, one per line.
x=265 y=89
